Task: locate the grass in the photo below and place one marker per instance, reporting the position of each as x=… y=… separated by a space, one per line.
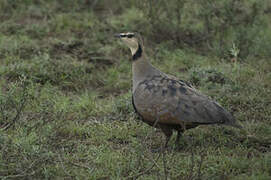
x=65 y=101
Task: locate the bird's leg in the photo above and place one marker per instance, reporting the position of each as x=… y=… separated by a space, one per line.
x=167 y=140
x=168 y=132
x=179 y=134
x=156 y=120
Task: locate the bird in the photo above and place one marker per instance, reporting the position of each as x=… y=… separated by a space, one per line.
x=164 y=101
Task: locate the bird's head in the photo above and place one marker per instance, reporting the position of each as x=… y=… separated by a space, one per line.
x=132 y=40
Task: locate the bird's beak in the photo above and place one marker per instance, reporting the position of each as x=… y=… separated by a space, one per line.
x=117 y=35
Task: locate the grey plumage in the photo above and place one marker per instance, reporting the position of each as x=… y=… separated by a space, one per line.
x=166 y=102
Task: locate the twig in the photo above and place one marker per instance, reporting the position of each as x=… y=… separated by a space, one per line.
x=165 y=165
x=61 y=162
x=17 y=175
x=147 y=170
x=190 y=177
x=200 y=165
x=22 y=174
x=18 y=110
x=154 y=161
x=82 y=166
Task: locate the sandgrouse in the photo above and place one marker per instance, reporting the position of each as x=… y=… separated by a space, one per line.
x=164 y=101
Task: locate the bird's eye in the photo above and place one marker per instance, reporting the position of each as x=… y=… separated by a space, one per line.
x=130 y=35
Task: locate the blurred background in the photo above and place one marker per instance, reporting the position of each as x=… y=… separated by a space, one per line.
x=65 y=87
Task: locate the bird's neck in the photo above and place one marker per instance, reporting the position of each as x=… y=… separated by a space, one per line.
x=141 y=67
x=137 y=53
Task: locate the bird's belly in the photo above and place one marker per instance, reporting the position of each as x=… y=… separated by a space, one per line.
x=160 y=113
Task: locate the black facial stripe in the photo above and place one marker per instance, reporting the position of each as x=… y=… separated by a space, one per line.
x=138 y=53
x=127 y=35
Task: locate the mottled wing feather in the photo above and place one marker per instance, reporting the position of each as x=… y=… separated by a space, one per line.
x=175 y=102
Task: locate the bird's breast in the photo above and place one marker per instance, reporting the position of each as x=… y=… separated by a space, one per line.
x=152 y=104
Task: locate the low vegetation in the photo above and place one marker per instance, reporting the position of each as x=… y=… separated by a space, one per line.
x=65 y=88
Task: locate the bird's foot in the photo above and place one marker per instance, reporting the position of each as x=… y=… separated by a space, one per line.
x=160 y=149
x=183 y=142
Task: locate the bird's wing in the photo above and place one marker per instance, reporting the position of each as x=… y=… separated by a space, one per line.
x=175 y=101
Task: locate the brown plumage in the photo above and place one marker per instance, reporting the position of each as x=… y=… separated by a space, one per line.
x=167 y=103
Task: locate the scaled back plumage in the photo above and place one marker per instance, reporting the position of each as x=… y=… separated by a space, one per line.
x=166 y=102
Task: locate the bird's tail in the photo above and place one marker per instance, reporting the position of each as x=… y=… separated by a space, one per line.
x=236 y=125
x=232 y=122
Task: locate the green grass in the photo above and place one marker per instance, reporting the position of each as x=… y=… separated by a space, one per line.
x=65 y=100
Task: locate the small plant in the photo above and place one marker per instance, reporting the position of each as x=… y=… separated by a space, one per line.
x=200 y=76
x=234 y=52
x=13 y=104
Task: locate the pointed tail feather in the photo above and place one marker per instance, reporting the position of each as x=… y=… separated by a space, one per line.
x=236 y=125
